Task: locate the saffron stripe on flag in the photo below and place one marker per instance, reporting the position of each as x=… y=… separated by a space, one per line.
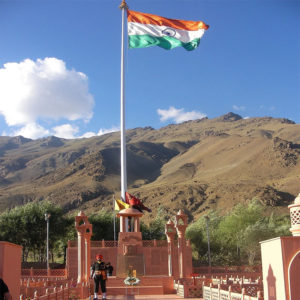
x=143 y=18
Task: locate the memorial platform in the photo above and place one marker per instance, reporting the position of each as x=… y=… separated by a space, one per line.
x=148 y=285
x=147 y=297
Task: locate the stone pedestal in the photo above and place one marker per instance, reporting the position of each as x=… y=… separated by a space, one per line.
x=10 y=267
x=130 y=245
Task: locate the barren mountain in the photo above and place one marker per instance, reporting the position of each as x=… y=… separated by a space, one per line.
x=197 y=165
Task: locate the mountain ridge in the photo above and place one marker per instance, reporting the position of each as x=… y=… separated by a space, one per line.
x=197 y=166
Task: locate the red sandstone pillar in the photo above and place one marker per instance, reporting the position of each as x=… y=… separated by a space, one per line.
x=170 y=233
x=81 y=226
x=136 y=224
x=80 y=248
x=122 y=224
x=181 y=225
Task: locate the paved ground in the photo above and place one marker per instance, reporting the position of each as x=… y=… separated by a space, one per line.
x=147 y=297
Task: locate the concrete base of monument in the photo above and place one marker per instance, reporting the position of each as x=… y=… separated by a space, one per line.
x=148 y=285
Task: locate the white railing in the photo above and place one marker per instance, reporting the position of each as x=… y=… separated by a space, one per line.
x=80 y=291
x=62 y=293
x=211 y=293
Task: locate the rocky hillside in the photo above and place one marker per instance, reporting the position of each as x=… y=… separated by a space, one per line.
x=197 y=165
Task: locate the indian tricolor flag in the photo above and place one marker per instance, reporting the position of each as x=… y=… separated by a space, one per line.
x=145 y=30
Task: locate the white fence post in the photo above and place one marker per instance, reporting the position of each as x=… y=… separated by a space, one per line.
x=243 y=293
x=35 y=295
x=259 y=295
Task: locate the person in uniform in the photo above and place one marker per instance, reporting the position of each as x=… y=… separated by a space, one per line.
x=4 y=292
x=99 y=273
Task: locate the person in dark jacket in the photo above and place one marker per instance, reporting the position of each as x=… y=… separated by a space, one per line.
x=99 y=273
x=109 y=268
x=4 y=291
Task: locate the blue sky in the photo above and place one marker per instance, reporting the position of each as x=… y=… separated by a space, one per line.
x=60 y=65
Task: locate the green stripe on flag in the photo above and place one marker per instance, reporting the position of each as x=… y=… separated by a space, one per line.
x=166 y=42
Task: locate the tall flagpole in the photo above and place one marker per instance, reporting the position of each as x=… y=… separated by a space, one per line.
x=123 y=7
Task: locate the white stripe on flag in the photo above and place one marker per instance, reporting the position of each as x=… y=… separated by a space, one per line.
x=184 y=36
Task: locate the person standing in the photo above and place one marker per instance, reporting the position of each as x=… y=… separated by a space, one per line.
x=4 y=291
x=109 y=268
x=99 y=273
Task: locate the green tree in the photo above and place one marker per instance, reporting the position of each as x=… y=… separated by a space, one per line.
x=251 y=237
x=231 y=228
x=156 y=228
x=235 y=237
x=103 y=225
x=12 y=229
x=69 y=233
x=25 y=225
x=197 y=233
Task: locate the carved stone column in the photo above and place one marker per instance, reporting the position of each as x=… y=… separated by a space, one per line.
x=181 y=225
x=170 y=232
x=81 y=226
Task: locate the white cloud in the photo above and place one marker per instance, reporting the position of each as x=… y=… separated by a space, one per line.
x=239 y=108
x=104 y=131
x=66 y=131
x=88 y=134
x=179 y=115
x=32 y=131
x=100 y=132
x=43 y=89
